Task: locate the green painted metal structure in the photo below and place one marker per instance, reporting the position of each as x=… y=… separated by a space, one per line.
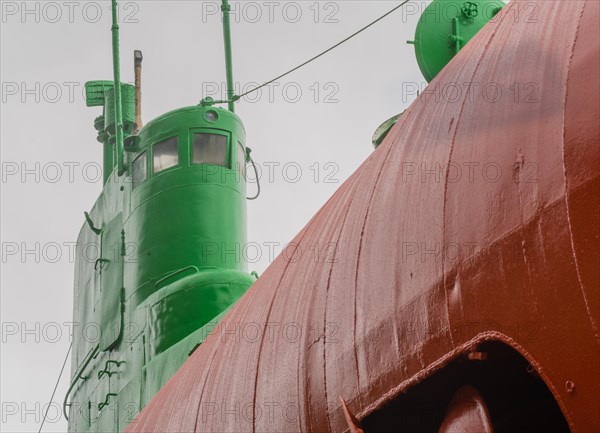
x=159 y=259
x=445 y=27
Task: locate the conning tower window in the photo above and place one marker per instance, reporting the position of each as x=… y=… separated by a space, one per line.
x=165 y=154
x=209 y=149
x=139 y=170
x=241 y=160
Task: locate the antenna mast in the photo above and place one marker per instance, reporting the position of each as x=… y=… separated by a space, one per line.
x=225 y=8
x=117 y=89
x=137 y=61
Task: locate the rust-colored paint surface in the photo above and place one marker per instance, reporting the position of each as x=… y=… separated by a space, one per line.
x=475 y=220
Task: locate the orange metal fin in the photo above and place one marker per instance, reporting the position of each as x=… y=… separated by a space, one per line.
x=350 y=418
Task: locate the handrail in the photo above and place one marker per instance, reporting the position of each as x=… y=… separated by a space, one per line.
x=91 y=355
x=161 y=282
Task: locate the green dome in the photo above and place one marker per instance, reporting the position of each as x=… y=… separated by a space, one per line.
x=445 y=27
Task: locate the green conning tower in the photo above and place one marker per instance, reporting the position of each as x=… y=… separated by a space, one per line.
x=159 y=257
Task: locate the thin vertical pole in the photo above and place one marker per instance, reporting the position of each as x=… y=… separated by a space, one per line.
x=225 y=8
x=137 y=61
x=117 y=88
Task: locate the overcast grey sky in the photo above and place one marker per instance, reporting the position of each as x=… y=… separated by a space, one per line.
x=313 y=130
